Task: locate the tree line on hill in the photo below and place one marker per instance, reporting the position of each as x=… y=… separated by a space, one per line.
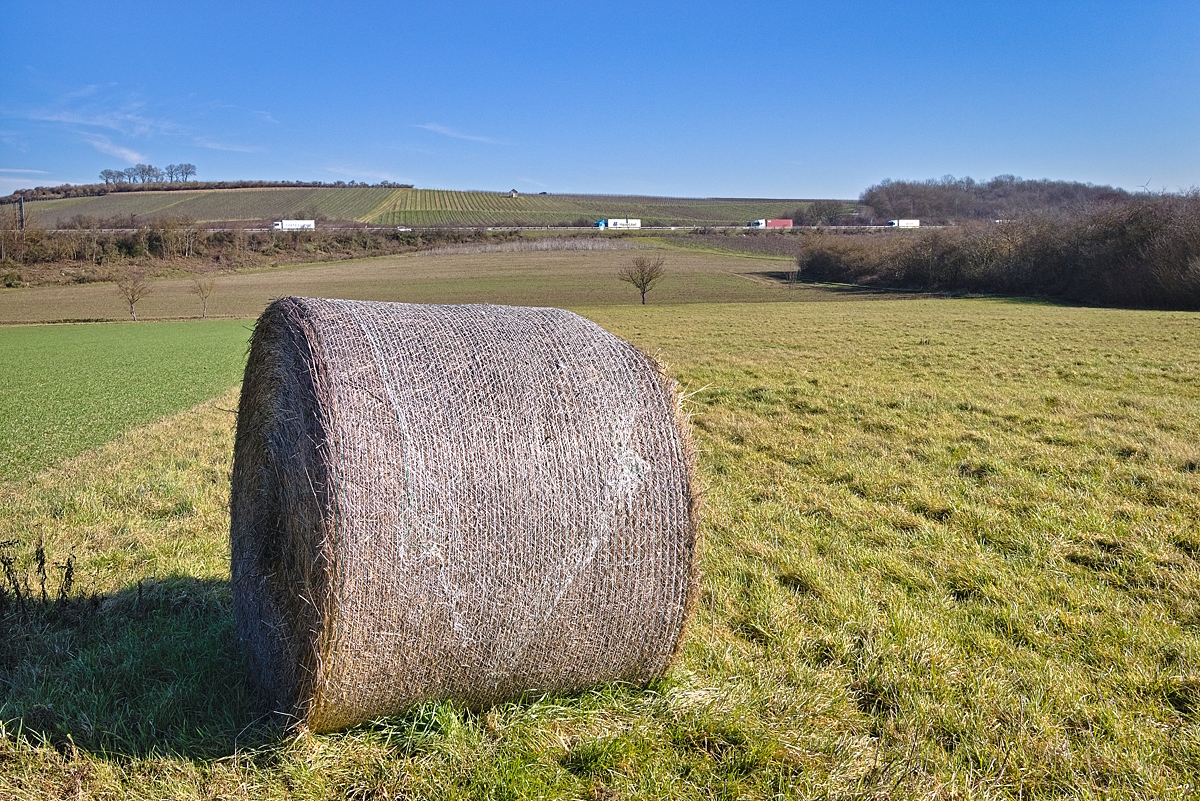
x=141 y=181
x=949 y=200
x=148 y=174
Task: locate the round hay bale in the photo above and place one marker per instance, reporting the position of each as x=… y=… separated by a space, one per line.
x=454 y=502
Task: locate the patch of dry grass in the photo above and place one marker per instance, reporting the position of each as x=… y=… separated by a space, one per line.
x=543 y=278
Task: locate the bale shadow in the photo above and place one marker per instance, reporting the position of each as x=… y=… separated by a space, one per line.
x=785 y=279
x=152 y=669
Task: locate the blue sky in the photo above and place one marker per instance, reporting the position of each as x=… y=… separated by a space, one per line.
x=761 y=99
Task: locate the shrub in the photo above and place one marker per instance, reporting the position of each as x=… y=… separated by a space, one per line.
x=1142 y=252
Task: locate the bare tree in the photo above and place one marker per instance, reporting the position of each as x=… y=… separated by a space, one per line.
x=147 y=173
x=204 y=288
x=186 y=171
x=171 y=171
x=643 y=272
x=9 y=234
x=820 y=212
x=133 y=287
x=189 y=237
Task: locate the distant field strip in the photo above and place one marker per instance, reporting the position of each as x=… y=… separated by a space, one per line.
x=407 y=207
x=531 y=276
x=551 y=243
x=423 y=207
x=333 y=203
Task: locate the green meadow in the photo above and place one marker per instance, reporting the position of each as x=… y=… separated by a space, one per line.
x=70 y=388
x=950 y=551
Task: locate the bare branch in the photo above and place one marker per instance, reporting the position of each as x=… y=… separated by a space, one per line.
x=133 y=287
x=643 y=273
x=204 y=288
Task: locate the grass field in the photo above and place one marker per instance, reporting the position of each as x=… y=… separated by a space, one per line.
x=71 y=388
x=409 y=207
x=951 y=551
x=340 y=203
x=538 y=278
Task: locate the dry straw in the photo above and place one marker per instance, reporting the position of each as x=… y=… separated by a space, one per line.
x=464 y=502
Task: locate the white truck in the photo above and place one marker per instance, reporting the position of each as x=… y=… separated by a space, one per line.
x=904 y=223
x=294 y=225
x=623 y=223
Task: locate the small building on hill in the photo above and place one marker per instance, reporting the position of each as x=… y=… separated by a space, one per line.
x=513 y=193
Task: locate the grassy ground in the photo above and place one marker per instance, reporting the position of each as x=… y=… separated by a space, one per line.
x=951 y=552
x=71 y=388
x=411 y=207
x=553 y=278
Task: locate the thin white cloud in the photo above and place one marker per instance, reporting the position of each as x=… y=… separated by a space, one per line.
x=265 y=116
x=11 y=139
x=84 y=91
x=109 y=123
x=15 y=171
x=453 y=134
x=128 y=123
x=103 y=144
x=211 y=145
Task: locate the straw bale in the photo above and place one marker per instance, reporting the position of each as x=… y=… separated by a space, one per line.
x=454 y=502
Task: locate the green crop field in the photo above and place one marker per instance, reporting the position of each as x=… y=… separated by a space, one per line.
x=408 y=207
x=72 y=387
x=950 y=551
x=334 y=203
x=420 y=207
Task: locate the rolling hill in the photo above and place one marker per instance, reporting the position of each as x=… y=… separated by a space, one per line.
x=407 y=207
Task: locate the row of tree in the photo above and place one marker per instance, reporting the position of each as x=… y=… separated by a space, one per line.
x=148 y=174
x=90 y=249
x=948 y=200
x=828 y=212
